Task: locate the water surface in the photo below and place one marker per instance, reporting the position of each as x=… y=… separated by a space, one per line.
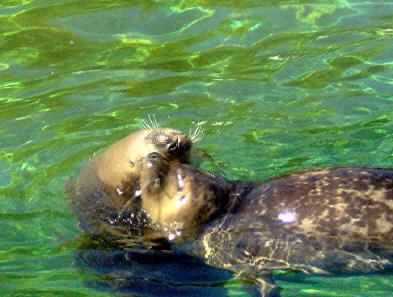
x=278 y=86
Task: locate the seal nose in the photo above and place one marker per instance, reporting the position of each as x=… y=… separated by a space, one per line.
x=172 y=146
x=153 y=158
x=180 y=146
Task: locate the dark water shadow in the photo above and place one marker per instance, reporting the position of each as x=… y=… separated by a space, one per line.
x=150 y=273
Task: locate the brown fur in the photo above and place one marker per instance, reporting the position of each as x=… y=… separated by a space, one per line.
x=323 y=221
x=107 y=189
x=180 y=198
x=331 y=220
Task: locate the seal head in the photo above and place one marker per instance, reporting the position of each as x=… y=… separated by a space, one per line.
x=122 y=162
x=107 y=192
x=181 y=198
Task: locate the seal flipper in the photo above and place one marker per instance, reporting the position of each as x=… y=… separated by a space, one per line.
x=261 y=287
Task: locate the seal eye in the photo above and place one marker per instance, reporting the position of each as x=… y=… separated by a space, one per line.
x=154 y=155
x=132 y=164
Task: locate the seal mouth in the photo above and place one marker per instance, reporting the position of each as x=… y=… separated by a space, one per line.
x=155 y=167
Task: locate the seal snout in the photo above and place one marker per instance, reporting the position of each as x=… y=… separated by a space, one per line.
x=180 y=145
x=155 y=161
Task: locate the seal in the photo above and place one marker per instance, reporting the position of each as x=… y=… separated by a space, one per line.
x=105 y=195
x=181 y=199
x=323 y=221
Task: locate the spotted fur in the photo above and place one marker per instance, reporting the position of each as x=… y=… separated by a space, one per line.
x=332 y=220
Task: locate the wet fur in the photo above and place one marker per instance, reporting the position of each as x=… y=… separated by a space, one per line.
x=343 y=220
x=344 y=223
x=343 y=216
x=105 y=195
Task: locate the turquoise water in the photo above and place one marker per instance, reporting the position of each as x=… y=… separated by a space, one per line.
x=278 y=86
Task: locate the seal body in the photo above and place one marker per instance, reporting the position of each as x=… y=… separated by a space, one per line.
x=333 y=220
x=323 y=221
x=106 y=194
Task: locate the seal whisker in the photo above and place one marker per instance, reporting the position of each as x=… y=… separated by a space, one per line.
x=156 y=125
x=178 y=142
x=197 y=134
x=198 y=137
x=151 y=122
x=148 y=126
x=144 y=125
x=194 y=133
x=197 y=129
x=201 y=132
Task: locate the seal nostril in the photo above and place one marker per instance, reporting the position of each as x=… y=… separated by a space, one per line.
x=172 y=146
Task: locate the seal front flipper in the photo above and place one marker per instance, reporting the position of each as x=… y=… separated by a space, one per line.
x=261 y=287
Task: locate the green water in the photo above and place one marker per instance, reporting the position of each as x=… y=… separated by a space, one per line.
x=278 y=86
